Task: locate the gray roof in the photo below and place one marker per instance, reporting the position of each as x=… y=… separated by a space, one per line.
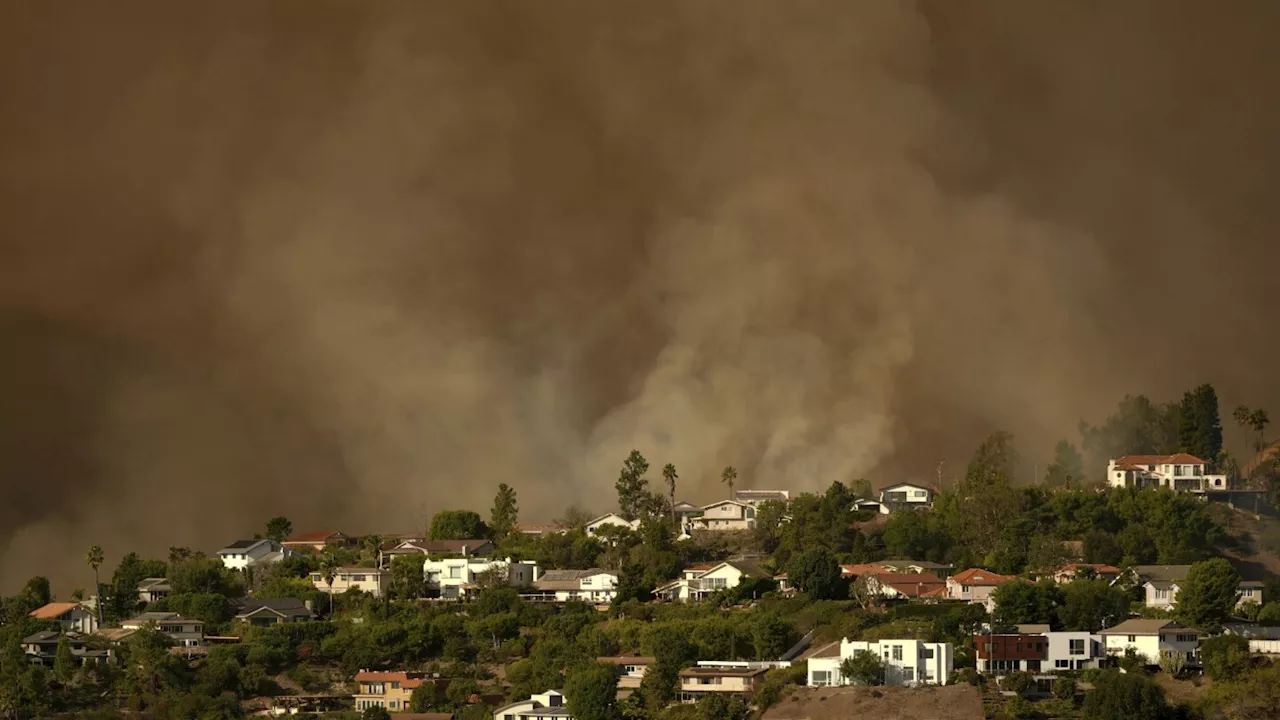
x=1165 y=573
x=1253 y=584
x=749 y=567
x=157 y=617
x=50 y=637
x=1146 y=627
x=241 y=545
x=1253 y=632
x=289 y=607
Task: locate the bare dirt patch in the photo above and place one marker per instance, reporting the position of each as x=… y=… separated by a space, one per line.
x=953 y=702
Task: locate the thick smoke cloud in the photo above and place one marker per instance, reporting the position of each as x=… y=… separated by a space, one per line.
x=356 y=262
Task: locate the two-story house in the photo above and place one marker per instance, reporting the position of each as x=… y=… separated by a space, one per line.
x=907 y=586
x=244 y=553
x=725 y=515
x=1071 y=571
x=549 y=705
x=72 y=616
x=271 y=611
x=695 y=583
x=631 y=668
x=455 y=577
x=476 y=547
x=184 y=631
x=906 y=662
x=702 y=680
x=976 y=585
x=999 y=654
x=153 y=589
x=1153 y=639
x=755 y=497
x=390 y=690
x=1068 y=650
x=42 y=648
x=594 y=586
x=370 y=580
x=1160 y=584
x=906 y=496
x=610 y=519
x=1179 y=472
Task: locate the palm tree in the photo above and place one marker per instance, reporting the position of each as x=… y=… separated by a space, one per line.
x=727 y=476
x=94 y=557
x=1259 y=420
x=329 y=568
x=373 y=543
x=1242 y=416
x=669 y=474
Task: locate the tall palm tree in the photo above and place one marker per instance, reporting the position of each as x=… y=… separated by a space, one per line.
x=94 y=557
x=669 y=474
x=373 y=543
x=727 y=476
x=329 y=568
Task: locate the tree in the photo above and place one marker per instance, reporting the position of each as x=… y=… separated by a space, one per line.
x=816 y=573
x=329 y=569
x=1242 y=415
x=279 y=528
x=632 y=486
x=591 y=692
x=863 y=592
x=1199 y=427
x=1269 y=615
x=770 y=635
x=1130 y=696
x=1091 y=605
x=375 y=712
x=1021 y=602
x=407 y=581
x=1067 y=468
x=1064 y=688
x=770 y=516
x=457 y=525
x=863 y=668
x=424 y=697
x=1137 y=427
x=1258 y=420
x=632 y=585
x=1209 y=595
x=94 y=557
x=729 y=476
x=505 y=514
x=1226 y=657
x=1101 y=547
x=200 y=575
x=669 y=477
x=63 y=666
x=574 y=518
x=987 y=501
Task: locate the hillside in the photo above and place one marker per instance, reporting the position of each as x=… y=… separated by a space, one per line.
x=953 y=702
x=1256 y=548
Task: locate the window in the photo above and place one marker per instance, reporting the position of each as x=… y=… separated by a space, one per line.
x=897 y=652
x=395 y=704
x=986 y=648
x=964 y=589
x=926 y=653
x=1162 y=638
x=395 y=684
x=1133 y=638
x=1019 y=647
x=1077 y=648
x=821 y=677
x=1162 y=594
x=1186 y=638
x=357 y=578
x=455 y=572
x=1062 y=663
x=908 y=674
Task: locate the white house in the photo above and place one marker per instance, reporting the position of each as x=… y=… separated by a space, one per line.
x=905 y=495
x=455 y=577
x=976 y=586
x=613 y=519
x=906 y=662
x=755 y=497
x=543 y=706
x=1160 y=584
x=186 y=632
x=152 y=589
x=631 y=668
x=244 y=553
x=370 y=580
x=72 y=616
x=590 y=586
x=1153 y=639
x=696 y=583
x=1179 y=472
x=1069 y=650
x=725 y=515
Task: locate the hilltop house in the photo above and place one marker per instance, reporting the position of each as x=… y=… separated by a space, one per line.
x=755 y=497
x=370 y=580
x=976 y=586
x=999 y=654
x=631 y=668
x=244 y=553
x=454 y=577
x=72 y=616
x=543 y=706
x=1179 y=472
x=1069 y=650
x=906 y=495
x=271 y=611
x=725 y=515
x=390 y=690
x=1153 y=639
x=906 y=662
x=729 y=679
x=317 y=541
x=591 y=586
x=186 y=632
x=696 y=583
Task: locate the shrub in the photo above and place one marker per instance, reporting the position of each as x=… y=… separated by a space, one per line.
x=1064 y=688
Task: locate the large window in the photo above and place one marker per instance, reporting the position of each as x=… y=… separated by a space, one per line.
x=926 y=653
x=1077 y=647
x=821 y=677
x=897 y=652
x=909 y=674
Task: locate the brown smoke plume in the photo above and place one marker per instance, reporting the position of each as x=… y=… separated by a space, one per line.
x=355 y=262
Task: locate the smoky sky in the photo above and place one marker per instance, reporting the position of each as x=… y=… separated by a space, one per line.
x=356 y=262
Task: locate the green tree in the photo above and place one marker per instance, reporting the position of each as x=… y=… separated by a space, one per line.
x=816 y=573
x=770 y=636
x=94 y=558
x=279 y=528
x=506 y=513
x=987 y=500
x=1067 y=468
x=770 y=517
x=457 y=525
x=1091 y=605
x=591 y=692
x=1269 y=615
x=1129 y=695
x=63 y=666
x=1259 y=420
x=375 y=712
x=1199 y=427
x=201 y=575
x=328 y=571
x=1226 y=657
x=1023 y=602
x=424 y=698
x=729 y=476
x=407 y=581
x=671 y=650
x=669 y=477
x=632 y=585
x=1064 y=688
x=632 y=486
x=1102 y=547
x=863 y=668
x=1209 y=595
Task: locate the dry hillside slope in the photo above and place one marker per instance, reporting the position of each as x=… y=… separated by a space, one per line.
x=953 y=702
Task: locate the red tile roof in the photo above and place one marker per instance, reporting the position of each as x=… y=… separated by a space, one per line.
x=914 y=584
x=1099 y=568
x=53 y=610
x=978 y=576
x=1179 y=458
x=407 y=680
x=862 y=569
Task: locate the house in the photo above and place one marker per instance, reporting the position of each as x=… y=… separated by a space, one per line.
x=532 y=530
x=72 y=616
x=1153 y=639
x=1069 y=650
x=42 y=648
x=610 y=519
x=999 y=654
x=186 y=632
x=317 y=541
x=917 y=566
x=631 y=668
x=271 y=611
x=454 y=577
x=370 y=580
x=1250 y=592
x=1179 y=472
x=906 y=662
x=755 y=497
x=906 y=496
x=702 y=680
x=976 y=585
x=476 y=547
x=907 y=586
x=685 y=512
x=695 y=584
x=592 y=586
x=390 y=690
x=1263 y=640
x=543 y=706
x=725 y=515
x=1160 y=584
x=153 y=589
x=1068 y=572
x=244 y=553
